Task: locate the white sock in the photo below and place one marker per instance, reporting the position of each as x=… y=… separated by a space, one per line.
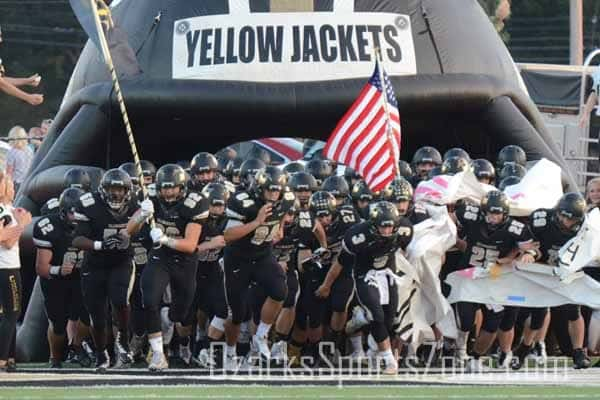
x=263 y=330
x=388 y=357
x=157 y=344
x=230 y=350
x=356 y=342
x=461 y=340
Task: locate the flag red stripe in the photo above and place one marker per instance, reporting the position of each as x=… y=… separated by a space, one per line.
x=357 y=121
x=364 y=152
x=347 y=115
x=360 y=139
x=375 y=159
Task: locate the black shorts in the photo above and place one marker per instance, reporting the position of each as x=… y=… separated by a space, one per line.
x=210 y=291
x=368 y=296
x=240 y=272
x=465 y=313
x=538 y=315
x=161 y=271
x=63 y=301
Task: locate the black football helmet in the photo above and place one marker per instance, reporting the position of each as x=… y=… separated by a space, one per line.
x=293 y=168
x=234 y=171
x=115 y=179
x=338 y=187
x=203 y=162
x=320 y=169
x=351 y=176
x=148 y=170
x=512 y=169
x=67 y=203
x=305 y=183
x=511 y=154
x=482 y=169
x=508 y=181
x=572 y=206
x=216 y=193
x=405 y=169
x=361 y=191
x=77 y=178
x=384 y=214
x=170 y=176
x=398 y=190
x=322 y=203
x=248 y=171
x=454 y=165
x=270 y=178
x=427 y=154
x=495 y=202
x=457 y=152
x=130 y=169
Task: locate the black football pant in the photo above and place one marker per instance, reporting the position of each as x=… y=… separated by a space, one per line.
x=63 y=302
x=180 y=273
x=240 y=272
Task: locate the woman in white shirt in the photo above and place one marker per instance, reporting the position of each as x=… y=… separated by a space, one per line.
x=12 y=224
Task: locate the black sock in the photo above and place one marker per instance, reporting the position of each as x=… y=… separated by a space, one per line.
x=281 y=336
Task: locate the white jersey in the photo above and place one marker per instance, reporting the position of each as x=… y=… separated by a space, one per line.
x=9 y=258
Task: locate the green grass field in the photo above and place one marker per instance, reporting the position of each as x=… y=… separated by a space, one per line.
x=303 y=392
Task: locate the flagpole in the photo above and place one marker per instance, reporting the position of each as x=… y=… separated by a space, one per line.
x=109 y=62
x=388 y=126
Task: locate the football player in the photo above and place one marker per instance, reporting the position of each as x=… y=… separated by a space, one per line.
x=107 y=270
x=367 y=252
x=424 y=160
x=552 y=228
x=57 y=265
x=173 y=259
x=255 y=220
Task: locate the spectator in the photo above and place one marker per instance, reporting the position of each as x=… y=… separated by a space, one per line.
x=12 y=226
x=11 y=85
x=18 y=159
x=592 y=100
x=36 y=135
x=45 y=126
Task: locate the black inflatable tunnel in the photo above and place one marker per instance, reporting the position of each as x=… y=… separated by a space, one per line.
x=217 y=72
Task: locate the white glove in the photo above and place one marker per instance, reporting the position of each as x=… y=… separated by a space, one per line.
x=321 y=253
x=146 y=209
x=157 y=235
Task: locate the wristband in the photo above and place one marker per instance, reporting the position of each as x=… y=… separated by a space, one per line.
x=97 y=245
x=54 y=271
x=170 y=242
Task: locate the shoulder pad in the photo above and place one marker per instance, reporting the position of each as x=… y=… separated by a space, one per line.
x=192 y=200
x=87 y=200
x=539 y=218
x=471 y=212
x=516 y=227
x=52 y=204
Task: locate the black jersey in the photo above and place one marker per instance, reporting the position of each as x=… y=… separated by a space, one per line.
x=212 y=227
x=298 y=233
x=486 y=246
x=50 y=232
x=173 y=219
x=344 y=218
x=243 y=208
x=50 y=207
x=545 y=230
x=98 y=222
x=364 y=250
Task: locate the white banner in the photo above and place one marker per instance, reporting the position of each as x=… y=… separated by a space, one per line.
x=584 y=249
x=291 y=47
x=447 y=189
x=431 y=239
x=520 y=288
x=541 y=187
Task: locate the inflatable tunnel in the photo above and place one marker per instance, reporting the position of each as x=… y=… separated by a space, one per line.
x=215 y=72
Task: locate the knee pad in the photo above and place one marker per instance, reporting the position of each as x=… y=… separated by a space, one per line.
x=218 y=323
x=465 y=315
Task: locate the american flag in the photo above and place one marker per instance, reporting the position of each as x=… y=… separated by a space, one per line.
x=367 y=138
